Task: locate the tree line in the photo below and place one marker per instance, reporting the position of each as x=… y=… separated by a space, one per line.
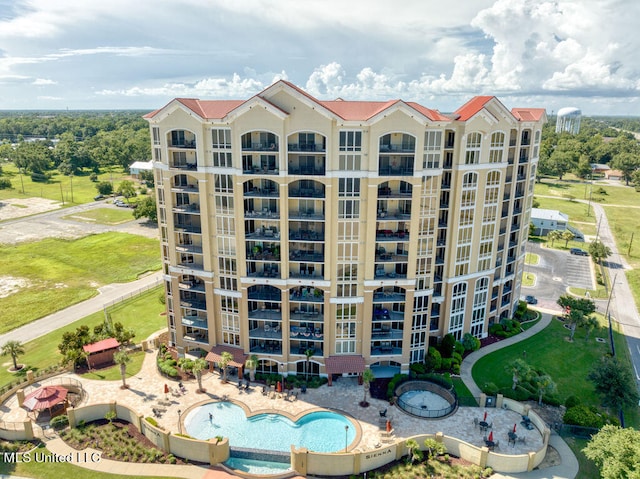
x=597 y=143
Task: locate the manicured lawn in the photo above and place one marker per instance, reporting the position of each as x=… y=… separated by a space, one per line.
x=103 y=216
x=113 y=373
x=615 y=195
x=576 y=211
x=531 y=258
x=142 y=313
x=62 y=272
x=588 y=469
x=59 y=187
x=528 y=279
x=47 y=470
x=567 y=363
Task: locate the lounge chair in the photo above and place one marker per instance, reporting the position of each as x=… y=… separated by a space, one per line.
x=383 y=412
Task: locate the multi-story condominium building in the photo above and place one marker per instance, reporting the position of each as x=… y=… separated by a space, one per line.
x=353 y=232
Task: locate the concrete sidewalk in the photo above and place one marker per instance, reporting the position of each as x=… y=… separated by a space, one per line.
x=569 y=468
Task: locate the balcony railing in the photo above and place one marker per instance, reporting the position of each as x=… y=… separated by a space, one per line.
x=306 y=333
x=306 y=256
x=385 y=350
x=306 y=235
x=183 y=144
x=262 y=192
x=266 y=346
x=183 y=165
x=262 y=214
x=306 y=147
x=384 y=331
x=390 y=235
x=197 y=286
x=188 y=248
x=384 y=215
x=273 y=147
x=386 y=192
x=187 y=208
x=272 y=314
x=408 y=171
x=300 y=315
x=193 y=304
x=306 y=192
x=298 y=170
x=309 y=215
x=194 y=322
x=185 y=228
x=266 y=332
x=388 y=297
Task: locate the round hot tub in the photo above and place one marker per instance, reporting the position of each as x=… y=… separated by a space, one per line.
x=425 y=399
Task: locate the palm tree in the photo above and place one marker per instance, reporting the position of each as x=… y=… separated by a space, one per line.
x=554 y=235
x=434 y=448
x=225 y=358
x=252 y=364
x=14 y=349
x=122 y=359
x=309 y=354
x=413 y=450
x=199 y=365
x=544 y=383
x=519 y=370
x=567 y=236
x=590 y=323
x=367 y=378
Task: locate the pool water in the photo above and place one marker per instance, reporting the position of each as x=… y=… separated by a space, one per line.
x=253 y=466
x=321 y=431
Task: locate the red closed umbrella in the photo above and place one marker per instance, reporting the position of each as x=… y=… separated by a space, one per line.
x=388 y=426
x=514 y=427
x=485 y=416
x=166 y=389
x=491 y=436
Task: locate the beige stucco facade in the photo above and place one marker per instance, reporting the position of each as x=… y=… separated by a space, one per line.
x=290 y=224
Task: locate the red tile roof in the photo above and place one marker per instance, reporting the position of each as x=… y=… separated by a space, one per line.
x=344 y=364
x=528 y=114
x=215 y=355
x=472 y=107
x=104 y=345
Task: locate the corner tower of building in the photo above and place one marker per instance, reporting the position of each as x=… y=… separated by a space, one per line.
x=352 y=232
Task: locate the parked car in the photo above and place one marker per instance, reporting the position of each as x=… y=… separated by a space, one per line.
x=531 y=299
x=98 y=197
x=578 y=252
x=120 y=203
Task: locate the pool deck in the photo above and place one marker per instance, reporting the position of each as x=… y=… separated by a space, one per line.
x=146 y=392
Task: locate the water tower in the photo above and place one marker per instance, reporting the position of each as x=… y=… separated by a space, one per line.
x=568 y=120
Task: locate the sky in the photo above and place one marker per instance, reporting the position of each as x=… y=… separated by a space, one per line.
x=140 y=54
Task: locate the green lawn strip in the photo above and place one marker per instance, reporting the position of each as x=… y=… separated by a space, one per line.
x=528 y=279
x=59 y=187
x=103 y=216
x=631 y=414
x=567 y=363
x=614 y=195
x=599 y=293
x=112 y=373
x=531 y=258
x=623 y=222
x=461 y=389
x=47 y=470
x=64 y=272
x=588 y=469
x=575 y=210
x=142 y=313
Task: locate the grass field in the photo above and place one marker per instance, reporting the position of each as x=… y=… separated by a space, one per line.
x=112 y=373
x=142 y=313
x=59 y=187
x=103 y=216
x=567 y=363
x=59 y=273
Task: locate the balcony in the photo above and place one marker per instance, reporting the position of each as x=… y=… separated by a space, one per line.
x=257 y=192
x=306 y=315
x=266 y=331
x=191 y=208
x=263 y=346
x=265 y=313
x=306 y=193
x=306 y=255
x=263 y=233
x=196 y=286
x=397 y=214
x=306 y=333
x=390 y=235
x=306 y=235
x=182 y=139
x=307 y=170
x=382 y=273
x=254 y=270
x=187 y=228
x=387 y=192
x=185 y=188
x=265 y=213
x=386 y=348
x=188 y=248
x=301 y=347
x=384 y=331
x=193 y=304
x=260 y=147
x=308 y=215
x=194 y=321
x=264 y=293
x=307 y=294
x=197 y=338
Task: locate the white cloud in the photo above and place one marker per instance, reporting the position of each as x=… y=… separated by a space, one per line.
x=43 y=81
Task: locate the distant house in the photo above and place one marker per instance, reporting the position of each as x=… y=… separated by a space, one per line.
x=613 y=175
x=548 y=220
x=138 y=166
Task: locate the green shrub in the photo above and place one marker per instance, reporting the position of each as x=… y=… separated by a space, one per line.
x=151 y=421
x=40 y=177
x=5 y=183
x=470 y=342
x=418 y=368
x=583 y=415
x=490 y=389
x=494 y=328
x=518 y=394
x=447 y=345
x=457 y=358
x=446 y=364
x=59 y=422
x=572 y=401
x=455 y=369
x=397 y=379
x=434 y=359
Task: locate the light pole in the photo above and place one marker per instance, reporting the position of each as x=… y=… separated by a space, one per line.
x=346 y=438
x=179 y=422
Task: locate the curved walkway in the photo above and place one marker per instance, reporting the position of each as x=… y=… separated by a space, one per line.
x=568 y=469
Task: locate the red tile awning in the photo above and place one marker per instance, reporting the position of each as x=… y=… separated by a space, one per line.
x=104 y=345
x=215 y=355
x=344 y=364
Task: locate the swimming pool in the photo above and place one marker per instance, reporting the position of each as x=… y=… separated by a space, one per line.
x=320 y=431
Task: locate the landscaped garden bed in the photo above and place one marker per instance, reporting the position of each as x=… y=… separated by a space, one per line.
x=118 y=440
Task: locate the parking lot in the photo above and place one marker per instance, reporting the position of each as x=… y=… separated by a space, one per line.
x=556 y=271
